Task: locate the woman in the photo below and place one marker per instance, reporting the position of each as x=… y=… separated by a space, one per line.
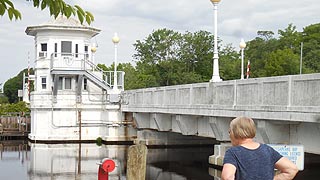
x=249 y=160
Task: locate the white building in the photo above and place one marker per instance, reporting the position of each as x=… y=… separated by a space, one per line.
x=71 y=94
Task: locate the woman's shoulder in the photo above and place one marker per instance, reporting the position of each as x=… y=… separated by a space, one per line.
x=261 y=146
x=236 y=149
x=265 y=146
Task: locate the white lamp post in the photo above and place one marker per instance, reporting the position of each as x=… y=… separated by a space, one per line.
x=242 y=45
x=115 y=41
x=215 y=74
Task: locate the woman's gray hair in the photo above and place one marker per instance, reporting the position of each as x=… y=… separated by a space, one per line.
x=242 y=128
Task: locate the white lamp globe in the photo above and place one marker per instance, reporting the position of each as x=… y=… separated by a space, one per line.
x=242 y=44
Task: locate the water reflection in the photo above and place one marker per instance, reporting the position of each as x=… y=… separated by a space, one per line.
x=73 y=161
x=13 y=158
x=35 y=161
x=23 y=161
x=179 y=163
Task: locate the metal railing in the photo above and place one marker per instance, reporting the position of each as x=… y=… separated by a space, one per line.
x=82 y=62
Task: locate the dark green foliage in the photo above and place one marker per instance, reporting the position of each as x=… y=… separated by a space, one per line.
x=167 y=58
x=281 y=62
x=56 y=8
x=311 y=48
x=12 y=86
x=3 y=99
x=230 y=63
x=19 y=107
x=274 y=57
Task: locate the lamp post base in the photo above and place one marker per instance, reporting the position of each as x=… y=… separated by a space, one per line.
x=215 y=78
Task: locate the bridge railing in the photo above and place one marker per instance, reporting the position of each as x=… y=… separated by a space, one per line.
x=294 y=93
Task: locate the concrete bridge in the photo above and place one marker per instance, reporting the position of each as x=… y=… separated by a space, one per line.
x=286 y=109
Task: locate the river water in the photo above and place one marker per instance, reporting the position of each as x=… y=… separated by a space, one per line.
x=20 y=160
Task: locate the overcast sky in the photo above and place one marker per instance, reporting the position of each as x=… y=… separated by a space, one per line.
x=136 y=19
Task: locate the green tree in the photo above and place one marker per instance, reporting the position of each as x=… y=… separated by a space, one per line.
x=265 y=35
x=257 y=51
x=14 y=107
x=290 y=38
x=166 y=57
x=158 y=56
x=12 y=86
x=55 y=7
x=282 y=62
x=172 y=58
x=197 y=53
x=3 y=99
x=230 y=63
x=311 y=48
x=131 y=80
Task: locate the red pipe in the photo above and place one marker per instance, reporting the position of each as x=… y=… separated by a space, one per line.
x=107 y=166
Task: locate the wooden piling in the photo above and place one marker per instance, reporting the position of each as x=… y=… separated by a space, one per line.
x=136 y=163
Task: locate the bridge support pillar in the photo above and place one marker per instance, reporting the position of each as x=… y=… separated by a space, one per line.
x=220 y=127
x=304 y=134
x=204 y=129
x=158 y=121
x=217 y=158
x=161 y=122
x=142 y=120
x=270 y=132
x=187 y=124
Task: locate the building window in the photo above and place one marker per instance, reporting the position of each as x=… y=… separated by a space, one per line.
x=65 y=83
x=43 y=50
x=44 y=47
x=66 y=48
x=85 y=84
x=77 y=50
x=55 y=49
x=60 y=83
x=43 y=82
x=86 y=52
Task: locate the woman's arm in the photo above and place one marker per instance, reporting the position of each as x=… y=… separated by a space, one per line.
x=288 y=170
x=228 y=172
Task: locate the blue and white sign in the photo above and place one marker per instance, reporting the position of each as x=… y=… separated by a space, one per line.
x=294 y=153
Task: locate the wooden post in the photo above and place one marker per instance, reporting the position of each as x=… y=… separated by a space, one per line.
x=137 y=161
x=79 y=119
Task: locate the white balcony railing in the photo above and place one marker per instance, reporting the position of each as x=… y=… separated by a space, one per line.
x=81 y=62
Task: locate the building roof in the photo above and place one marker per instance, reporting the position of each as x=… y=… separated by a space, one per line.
x=62 y=20
x=62 y=23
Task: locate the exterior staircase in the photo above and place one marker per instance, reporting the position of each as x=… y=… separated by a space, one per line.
x=83 y=68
